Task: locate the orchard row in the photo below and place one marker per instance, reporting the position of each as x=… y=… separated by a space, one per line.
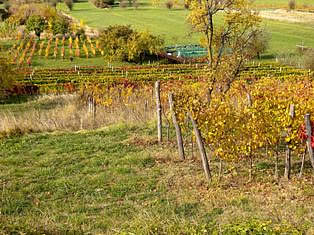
x=25 y=49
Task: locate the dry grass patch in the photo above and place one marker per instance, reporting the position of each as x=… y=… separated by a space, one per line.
x=66 y=113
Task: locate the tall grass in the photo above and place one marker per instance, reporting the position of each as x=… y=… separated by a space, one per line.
x=69 y=113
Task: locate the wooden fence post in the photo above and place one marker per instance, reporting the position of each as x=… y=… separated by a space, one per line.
x=89 y=102
x=302 y=163
x=249 y=99
x=177 y=127
x=94 y=105
x=308 y=127
x=288 y=150
x=158 y=109
x=201 y=147
x=92 y=108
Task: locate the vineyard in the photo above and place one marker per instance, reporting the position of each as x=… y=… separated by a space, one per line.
x=250 y=122
x=70 y=79
x=155 y=118
x=261 y=116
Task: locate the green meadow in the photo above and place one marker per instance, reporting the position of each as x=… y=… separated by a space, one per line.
x=117 y=180
x=60 y=173
x=172 y=25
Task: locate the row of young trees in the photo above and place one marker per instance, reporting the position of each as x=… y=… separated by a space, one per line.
x=25 y=49
x=115 y=43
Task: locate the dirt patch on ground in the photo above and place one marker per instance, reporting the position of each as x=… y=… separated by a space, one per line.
x=288 y=16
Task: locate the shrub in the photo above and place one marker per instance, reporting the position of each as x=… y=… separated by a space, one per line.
x=123 y=4
x=21 y=13
x=59 y=25
x=135 y=4
x=187 y=4
x=53 y=3
x=8 y=29
x=102 y=3
x=124 y=44
x=7 y=5
x=37 y=24
x=169 y=4
x=3 y=14
x=80 y=33
x=69 y=4
x=309 y=60
x=260 y=44
x=142 y=46
x=292 y=4
x=113 y=41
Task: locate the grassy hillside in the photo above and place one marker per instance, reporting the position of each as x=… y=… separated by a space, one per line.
x=172 y=26
x=118 y=180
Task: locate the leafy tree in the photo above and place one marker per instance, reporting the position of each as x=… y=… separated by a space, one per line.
x=260 y=44
x=37 y=24
x=124 y=44
x=230 y=42
x=59 y=25
x=113 y=40
x=143 y=44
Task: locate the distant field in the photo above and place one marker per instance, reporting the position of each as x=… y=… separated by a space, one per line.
x=283 y=3
x=171 y=25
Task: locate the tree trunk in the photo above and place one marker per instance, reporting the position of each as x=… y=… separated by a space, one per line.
x=201 y=147
x=177 y=127
x=158 y=110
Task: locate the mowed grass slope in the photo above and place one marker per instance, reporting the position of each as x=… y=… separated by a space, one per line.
x=117 y=180
x=172 y=25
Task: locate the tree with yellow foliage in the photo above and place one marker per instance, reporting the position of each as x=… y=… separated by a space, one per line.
x=230 y=29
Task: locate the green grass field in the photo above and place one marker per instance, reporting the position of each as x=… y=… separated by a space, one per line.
x=172 y=26
x=168 y=24
x=117 y=180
